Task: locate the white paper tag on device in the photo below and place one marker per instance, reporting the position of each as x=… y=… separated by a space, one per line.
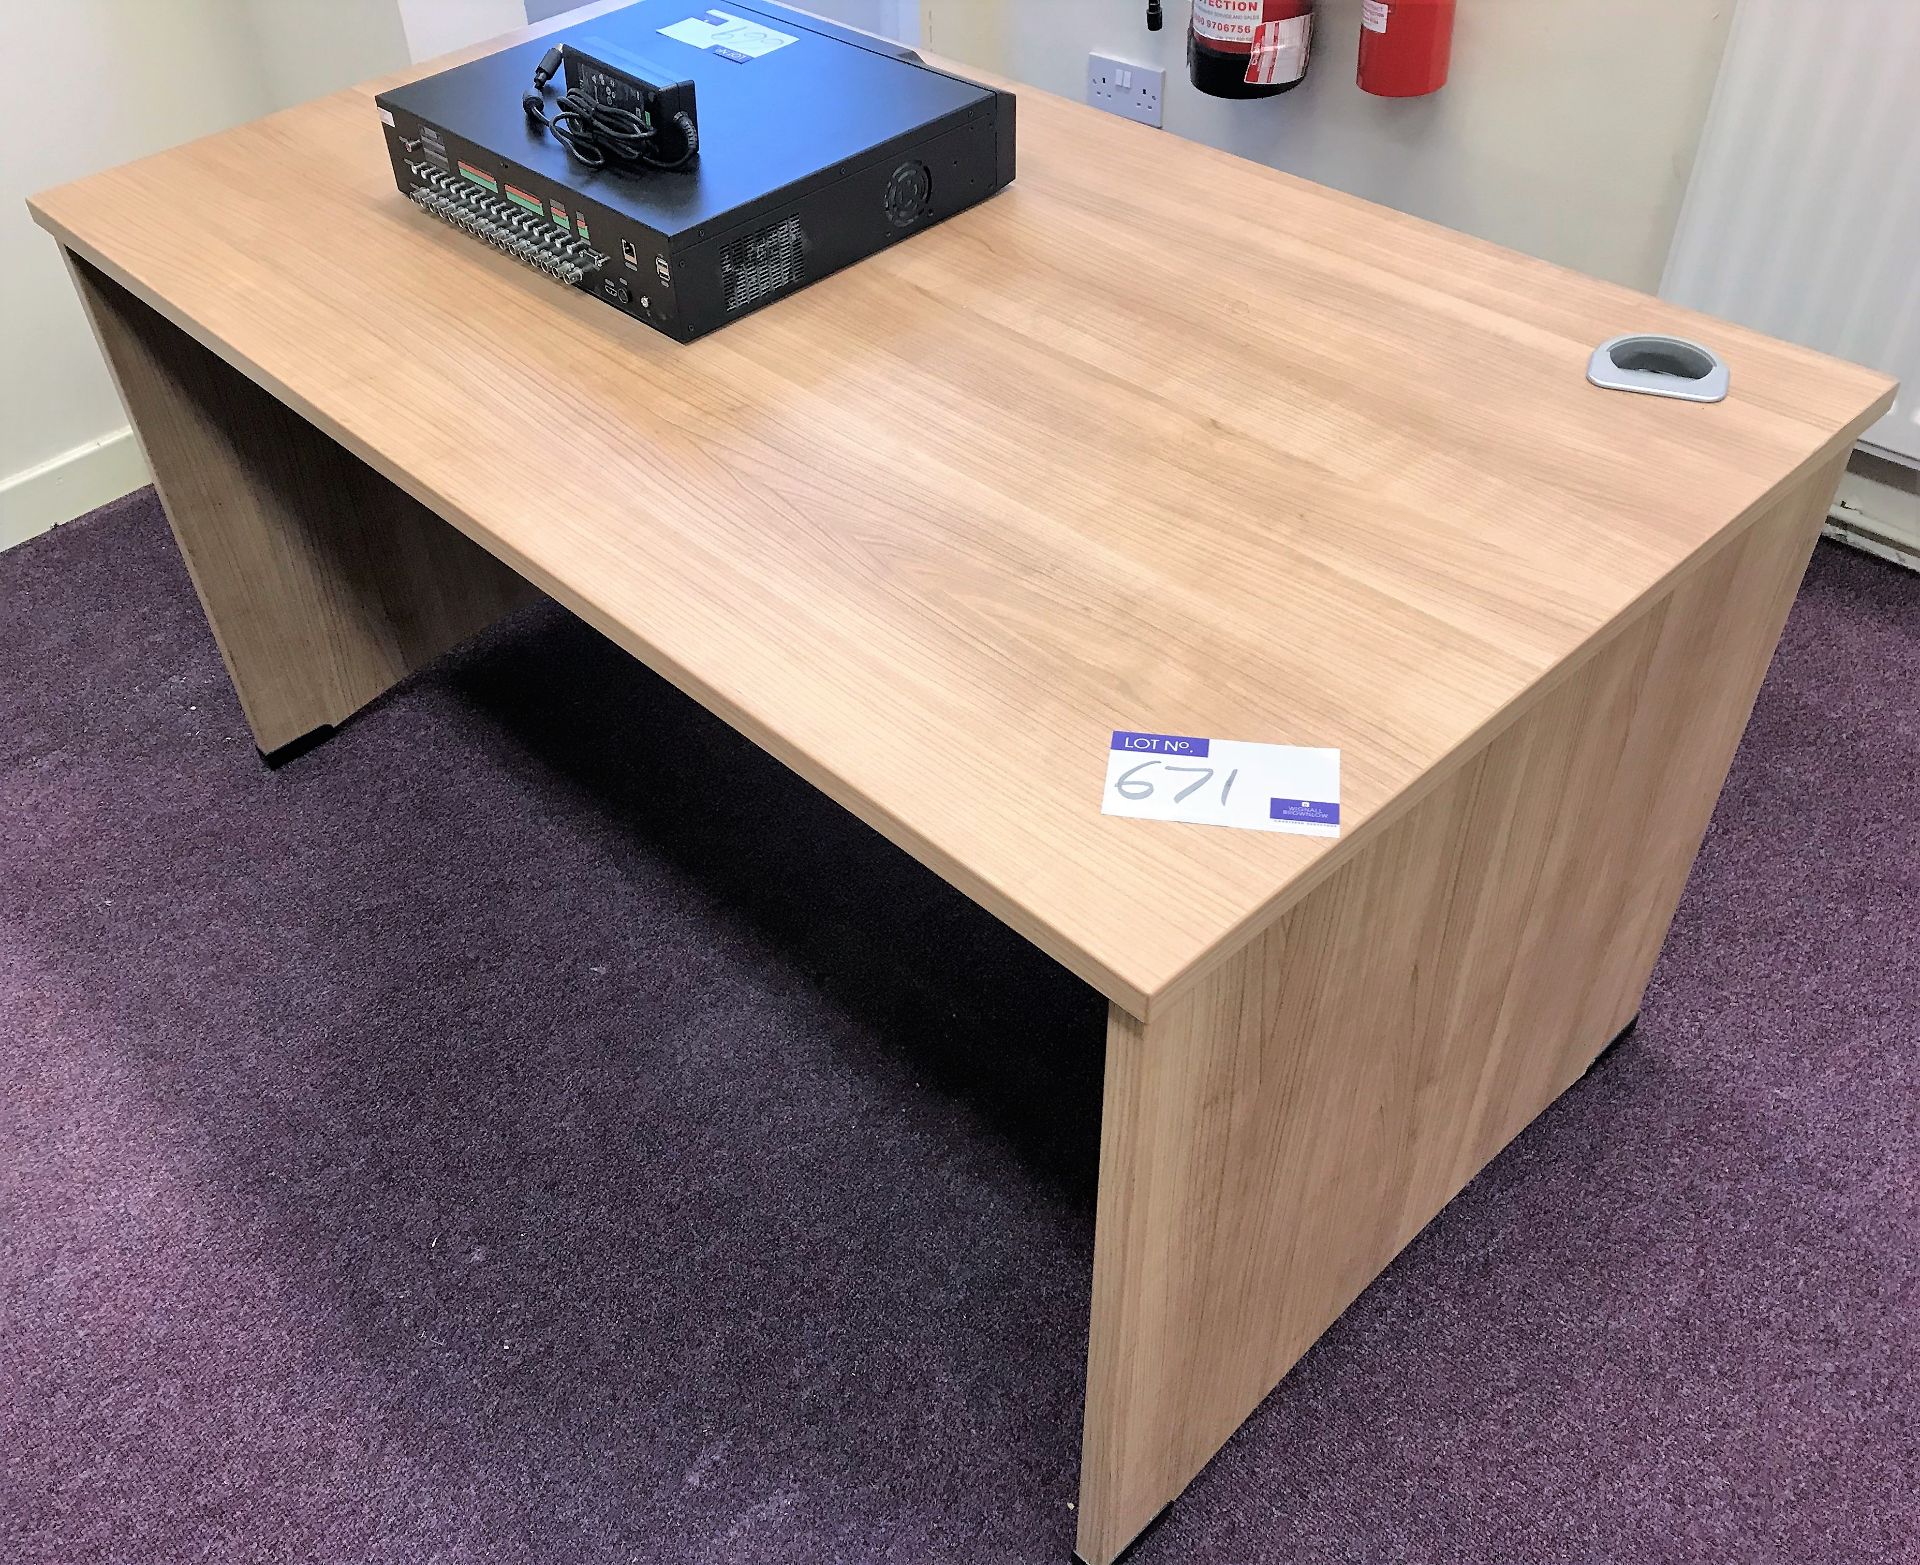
x=732 y=37
x=1223 y=782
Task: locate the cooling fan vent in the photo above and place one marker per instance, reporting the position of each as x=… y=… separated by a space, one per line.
x=763 y=264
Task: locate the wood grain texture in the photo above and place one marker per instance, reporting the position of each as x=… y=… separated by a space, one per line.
x=1299 y=470
x=1275 y=1136
x=324 y=584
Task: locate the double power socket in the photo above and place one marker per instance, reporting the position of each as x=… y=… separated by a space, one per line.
x=1121 y=87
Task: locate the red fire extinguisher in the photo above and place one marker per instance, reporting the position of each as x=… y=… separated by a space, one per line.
x=1249 y=48
x=1405 y=46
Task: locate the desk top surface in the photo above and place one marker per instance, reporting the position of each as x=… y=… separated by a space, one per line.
x=1156 y=439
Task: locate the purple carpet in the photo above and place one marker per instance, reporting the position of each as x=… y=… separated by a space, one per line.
x=535 y=1128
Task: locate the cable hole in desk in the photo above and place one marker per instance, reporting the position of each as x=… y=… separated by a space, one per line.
x=1663 y=356
x=1659 y=366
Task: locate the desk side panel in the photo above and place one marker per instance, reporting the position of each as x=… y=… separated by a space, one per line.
x=1275 y=1136
x=324 y=583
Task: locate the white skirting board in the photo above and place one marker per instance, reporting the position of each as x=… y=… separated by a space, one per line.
x=69 y=485
x=1878 y=510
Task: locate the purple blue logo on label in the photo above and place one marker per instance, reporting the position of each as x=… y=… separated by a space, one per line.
x=1157 y=744
x=1317 y=812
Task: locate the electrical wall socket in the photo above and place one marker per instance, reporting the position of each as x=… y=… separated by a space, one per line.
x=1120 y=87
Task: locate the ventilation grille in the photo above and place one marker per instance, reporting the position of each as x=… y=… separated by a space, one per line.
x=763 y=264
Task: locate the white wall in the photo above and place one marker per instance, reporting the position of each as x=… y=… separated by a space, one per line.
x=889 y=18
x=440 y=26
x=155 y=75
x=1567 y=129
x=308 y=48
x=158 y=72
x=896 y=19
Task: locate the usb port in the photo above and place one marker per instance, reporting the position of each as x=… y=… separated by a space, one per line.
x=630 y=255
x=616 y=290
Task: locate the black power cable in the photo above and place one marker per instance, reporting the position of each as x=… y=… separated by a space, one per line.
x=599 y=135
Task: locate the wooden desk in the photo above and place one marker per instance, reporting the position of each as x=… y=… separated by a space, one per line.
x=1158 y=439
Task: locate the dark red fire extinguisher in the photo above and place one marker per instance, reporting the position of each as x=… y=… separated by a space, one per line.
x=1405 y=46
x=1249 y=48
